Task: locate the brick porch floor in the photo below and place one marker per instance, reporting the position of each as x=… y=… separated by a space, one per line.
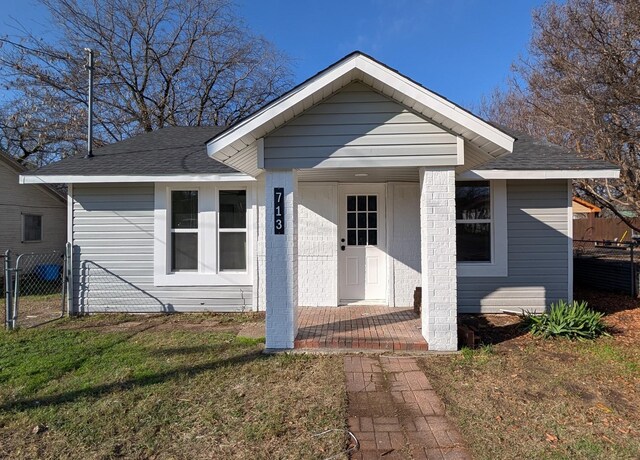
x=360 y=327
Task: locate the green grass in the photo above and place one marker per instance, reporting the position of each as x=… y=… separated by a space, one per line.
x=142 y=393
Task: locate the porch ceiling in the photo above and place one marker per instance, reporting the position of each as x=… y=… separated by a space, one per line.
x=355 y=175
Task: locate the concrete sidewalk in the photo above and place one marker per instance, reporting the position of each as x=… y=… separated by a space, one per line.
x=394 y=412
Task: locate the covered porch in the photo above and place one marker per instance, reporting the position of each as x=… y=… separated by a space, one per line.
x=358 y=327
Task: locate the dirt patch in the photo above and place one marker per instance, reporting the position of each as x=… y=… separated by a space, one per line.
x=191 y=322
x=525 y=397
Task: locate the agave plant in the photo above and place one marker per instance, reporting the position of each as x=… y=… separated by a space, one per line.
x=571 y=320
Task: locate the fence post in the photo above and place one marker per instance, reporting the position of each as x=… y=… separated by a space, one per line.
x=7 y=289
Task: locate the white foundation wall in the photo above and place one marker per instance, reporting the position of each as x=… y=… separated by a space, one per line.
x=403 y=229
x=318 y=245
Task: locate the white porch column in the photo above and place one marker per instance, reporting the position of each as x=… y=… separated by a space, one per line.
x=281 y=262
x=438 y=258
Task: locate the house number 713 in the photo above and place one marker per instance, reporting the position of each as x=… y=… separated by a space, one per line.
x=278 y=210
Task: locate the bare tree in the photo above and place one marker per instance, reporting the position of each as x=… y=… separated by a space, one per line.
x=159 y=63
x=580 y=87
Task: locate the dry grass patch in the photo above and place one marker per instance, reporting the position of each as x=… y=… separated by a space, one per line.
x=163 y=390
x=533 y=398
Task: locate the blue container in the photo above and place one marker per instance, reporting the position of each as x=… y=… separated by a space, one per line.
x=48 y=272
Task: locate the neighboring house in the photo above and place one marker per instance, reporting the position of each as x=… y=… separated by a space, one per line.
x=32 y=218
x=582 y=209
x=356 y=186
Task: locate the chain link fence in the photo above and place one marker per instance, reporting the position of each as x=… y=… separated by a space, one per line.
x=34 y=288
x=607 y=266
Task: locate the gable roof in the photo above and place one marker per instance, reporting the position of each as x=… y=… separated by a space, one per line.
x=235 y=143
x=19 y=169
x=163 y=154
x=538 y=156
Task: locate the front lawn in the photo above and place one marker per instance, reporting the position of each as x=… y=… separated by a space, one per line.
x=175 y=386
x=531 y=398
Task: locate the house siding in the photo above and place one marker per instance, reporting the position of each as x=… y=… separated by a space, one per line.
x=15 y=200
x=113 y=267
x=354 y=127
x=538 y=258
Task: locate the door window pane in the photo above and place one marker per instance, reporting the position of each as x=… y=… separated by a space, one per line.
x=473 y=242
x=362 y=237
x=373 y=220
x=362 y=220
x=233 y=209
x=184 y=209
x=184 y=251
x=351 y=237
x=233 y=251
x=373 y=202
x=373 y=237
x=362 y=203
x=351 y=220
x=351 y=203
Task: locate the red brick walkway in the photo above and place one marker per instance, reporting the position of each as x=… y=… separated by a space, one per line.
x=394 y=412
x=359 y=327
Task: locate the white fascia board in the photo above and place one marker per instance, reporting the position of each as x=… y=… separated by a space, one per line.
x=541 y=174
x=69 y=179
x=386 y=76
x=277 y=108
x=437 y=103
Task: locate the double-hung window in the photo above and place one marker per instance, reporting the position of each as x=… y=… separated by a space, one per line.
x=184 y=230
x=232 y=230
x=481 y=228
x=202 y=236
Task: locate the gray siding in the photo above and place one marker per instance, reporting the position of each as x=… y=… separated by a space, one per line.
x=113 y=257
x=538 y=235
x=359 y=127
x=15 y=200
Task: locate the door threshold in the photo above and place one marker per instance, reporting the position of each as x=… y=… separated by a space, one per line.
x=363 y=303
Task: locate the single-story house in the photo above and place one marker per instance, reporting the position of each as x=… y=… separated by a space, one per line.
x=356 y=186
x=33 y=218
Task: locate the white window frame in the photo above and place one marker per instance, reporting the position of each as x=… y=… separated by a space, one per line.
x=172 y=230
x=498 y=265
x=24 y=228
x=208 y=273
x=231 y=230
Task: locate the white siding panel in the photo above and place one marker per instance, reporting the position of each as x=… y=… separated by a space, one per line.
x=538 y=253
x=113 y=257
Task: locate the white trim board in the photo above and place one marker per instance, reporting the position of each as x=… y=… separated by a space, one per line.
x=71 y=179
x=541 y=174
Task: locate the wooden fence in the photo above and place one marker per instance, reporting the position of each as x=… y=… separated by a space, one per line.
x=599 y=229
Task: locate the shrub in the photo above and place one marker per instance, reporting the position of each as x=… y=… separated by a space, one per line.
x=573 y=321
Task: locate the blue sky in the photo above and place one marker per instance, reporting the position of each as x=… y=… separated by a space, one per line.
x=461 y=49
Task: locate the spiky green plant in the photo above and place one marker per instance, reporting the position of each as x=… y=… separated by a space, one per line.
x=571 y=320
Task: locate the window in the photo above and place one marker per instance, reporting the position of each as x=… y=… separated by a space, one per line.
x=184 y=230
x=362 y=220
x=473 y=221
x=481 y=228
x=232 y=230
x=31 y=228
x=206 y=234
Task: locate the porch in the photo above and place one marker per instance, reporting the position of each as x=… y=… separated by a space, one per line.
x=359 y=328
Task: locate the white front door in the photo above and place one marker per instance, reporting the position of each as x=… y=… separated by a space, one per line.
x=362 y=267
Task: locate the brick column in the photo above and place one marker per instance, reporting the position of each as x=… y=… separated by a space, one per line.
x=281 y=262
x=438 y=258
